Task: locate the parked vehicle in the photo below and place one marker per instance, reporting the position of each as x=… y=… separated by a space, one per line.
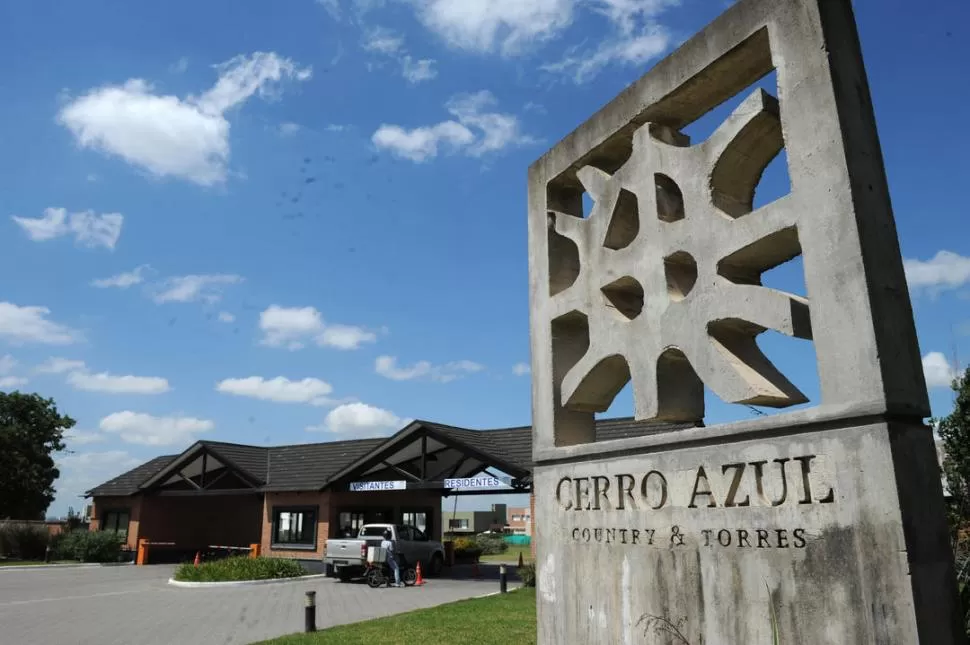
x=348 y=557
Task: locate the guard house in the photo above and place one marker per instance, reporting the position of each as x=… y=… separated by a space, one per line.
x=291 y=499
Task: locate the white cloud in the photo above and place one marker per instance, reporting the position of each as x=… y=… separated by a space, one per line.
x=184 y=138
x=943 y=272
x=293 y=327
x=416 y=71
x=88 y=229
x=83 y=438
x=288 y=129
x=356 y=420
x=56 y=365
x=80 y=472
x=81 y=379
x=627 y=49
x=476 y=131
x=7 y=364
x=509 y=26
x=179 y=66
x=191 y=288
x=937 y=370
x=387 y=367
x=521 y=369
x=332 y=7
x=226 y=317
x=30 y=325
x=383 y=41
x=10 y=382
x=279 y=389
x=148 y=430
x=122 y=280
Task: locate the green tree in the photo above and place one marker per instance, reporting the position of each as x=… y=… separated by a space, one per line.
x=954 y=430
x=31 y=432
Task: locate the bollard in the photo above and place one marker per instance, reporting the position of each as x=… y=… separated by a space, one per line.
x=503 y=579
x=253 y=550
x=311 y=612
x=142 y=557
x=47 y=553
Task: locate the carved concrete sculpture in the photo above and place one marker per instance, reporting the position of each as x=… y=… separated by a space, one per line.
x=661 y=283
x=822 y=524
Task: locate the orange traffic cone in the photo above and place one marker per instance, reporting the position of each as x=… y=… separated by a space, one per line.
x=420 y=579
x=197 y=558
x=520 y=560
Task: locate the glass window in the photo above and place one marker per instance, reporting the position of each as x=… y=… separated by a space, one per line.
x=417 y=519
x=295 y=527
x=458 y=524
x=349 y=523
x=404 y=533
x=418 y=536
x=116 y=521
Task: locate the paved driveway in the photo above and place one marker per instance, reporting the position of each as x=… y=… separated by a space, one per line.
x=130 y=605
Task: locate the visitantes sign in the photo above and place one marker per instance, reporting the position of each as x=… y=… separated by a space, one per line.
x=478 y=483
x=358 y=487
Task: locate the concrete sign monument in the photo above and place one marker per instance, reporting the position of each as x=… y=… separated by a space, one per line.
x=819 y=525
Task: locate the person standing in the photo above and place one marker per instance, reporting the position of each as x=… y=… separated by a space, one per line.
x=388 y=545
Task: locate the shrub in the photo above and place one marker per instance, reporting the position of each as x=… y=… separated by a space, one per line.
x=527 y=574
x=87 y=546
x=239 y=568
x=23 y=541
x=491 y=543
x=467 y=550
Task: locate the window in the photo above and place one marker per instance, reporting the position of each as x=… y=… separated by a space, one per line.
x=419 y=519
x=117 y=521
x=349 y=523
x=418 y=535
x=458 y=524
x=295 y=528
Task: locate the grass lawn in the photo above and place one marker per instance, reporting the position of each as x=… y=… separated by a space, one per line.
x=512 y=555
x=496 y=620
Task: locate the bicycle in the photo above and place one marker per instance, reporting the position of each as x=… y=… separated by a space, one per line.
x=379 y=574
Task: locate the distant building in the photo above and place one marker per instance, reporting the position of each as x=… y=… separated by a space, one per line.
x=468 y=523
x=520 y=521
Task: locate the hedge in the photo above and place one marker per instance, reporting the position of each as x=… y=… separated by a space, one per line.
x=239 y=568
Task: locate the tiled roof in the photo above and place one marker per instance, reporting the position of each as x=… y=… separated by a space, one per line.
x=311 y=466
x=127 y=483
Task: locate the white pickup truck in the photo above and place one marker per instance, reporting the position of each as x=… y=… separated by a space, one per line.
x=348 y=557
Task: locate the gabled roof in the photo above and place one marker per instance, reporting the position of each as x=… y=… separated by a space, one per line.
x=127 y=483
x=313 y=466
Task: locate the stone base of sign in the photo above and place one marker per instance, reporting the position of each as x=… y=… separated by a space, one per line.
x=833 y=533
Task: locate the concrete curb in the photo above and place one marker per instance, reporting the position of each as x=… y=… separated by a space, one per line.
x=495 y=593
x=240 y=583
x=79 y=565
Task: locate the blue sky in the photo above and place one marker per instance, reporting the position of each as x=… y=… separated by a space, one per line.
x=307 y=220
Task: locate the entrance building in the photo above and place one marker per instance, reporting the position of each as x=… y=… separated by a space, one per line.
x=291 y=499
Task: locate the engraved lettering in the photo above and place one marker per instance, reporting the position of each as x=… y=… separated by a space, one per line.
x=569 y=503
x=701 y=473
x=598 y=535
x=676 y=537
x=724 y=537
x=601 y=488
x=635 y=535
x=735 y=483
x=623 y=535
x=586 y=534
x=743 y=538
x=782 y=538
x=645 y=485
x=762 y=538
x=650 y=533
x=625 y=484
x=576 y=534
x=807 y=483
x=581 y=492
x=707 y=536
x=799 y=536
x=610 y=535
x=760 y=484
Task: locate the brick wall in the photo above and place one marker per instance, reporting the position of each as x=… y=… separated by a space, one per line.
x=320 y=500
x=100 y=505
